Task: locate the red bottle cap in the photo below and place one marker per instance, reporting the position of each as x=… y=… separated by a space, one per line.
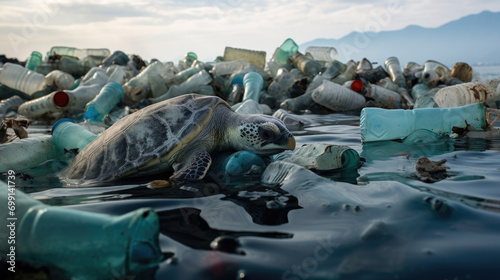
x=61 y=98
x=357 y=86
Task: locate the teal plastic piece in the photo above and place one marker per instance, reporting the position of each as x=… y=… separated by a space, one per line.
x=236 y=165
x=380 y=124
x=84 y=245
x=34 y=60
x=76 y=84
x=286 y=50
x=110 y=95
x=253 y=83
x=69 y=136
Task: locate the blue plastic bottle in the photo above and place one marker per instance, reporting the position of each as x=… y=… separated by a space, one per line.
x=253 y=83
x=67 y=135
x=380 y=124
x=110 y=95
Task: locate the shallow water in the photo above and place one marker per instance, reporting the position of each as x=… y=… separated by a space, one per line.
x=378 y=222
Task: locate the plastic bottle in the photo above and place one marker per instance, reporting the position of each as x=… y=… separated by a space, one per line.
x=326 y=54
x=29 y=152
x=419 y=90
x=95 y=75
x=60 y=79
x=384 y=97
x=230 y=67
x=237 y=90
x=348 y=74
x=248 y=107
x=69 y=136
x=119 y=75
x=291 y=121
x=286 y=50
x=34 y=60
x=17 y=77
x=324 y=157
x=58 y=102
x=189 y=58
x=79 y=53
x=186 y=73
x=305 y=64
x=432 y=71
x=118 y=58
x=191 y=84
x=334 y=69
x=393 y=67
x=279 y=87
x=236 y=165
x=388 y=84
x=109 y=96
x=364 y=65
x=71 y=241
x=9 y=104
x=337 y=97
x=379 y=124
x=257 y=58
x=253 y=83
x=462 y=94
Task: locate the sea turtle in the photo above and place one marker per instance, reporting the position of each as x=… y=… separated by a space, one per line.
x=179 y=134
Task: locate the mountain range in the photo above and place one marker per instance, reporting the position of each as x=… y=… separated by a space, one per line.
x=474 y=39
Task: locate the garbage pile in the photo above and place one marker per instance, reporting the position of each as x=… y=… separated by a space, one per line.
x=96 y=88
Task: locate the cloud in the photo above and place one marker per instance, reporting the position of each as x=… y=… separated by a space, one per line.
x=168 y=29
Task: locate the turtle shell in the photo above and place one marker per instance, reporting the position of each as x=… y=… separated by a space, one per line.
x=145 y=140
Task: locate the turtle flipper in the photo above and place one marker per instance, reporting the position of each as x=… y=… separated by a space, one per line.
x=194 y=167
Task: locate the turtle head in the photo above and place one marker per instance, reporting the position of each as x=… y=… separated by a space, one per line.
x=263 y=135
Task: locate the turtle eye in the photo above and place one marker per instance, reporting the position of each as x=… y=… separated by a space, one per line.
x=266 y=134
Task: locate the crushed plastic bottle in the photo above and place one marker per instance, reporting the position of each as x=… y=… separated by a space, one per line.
x=17 y=77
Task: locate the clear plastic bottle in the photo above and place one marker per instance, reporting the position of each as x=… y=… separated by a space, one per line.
x=69 y=136
x=384 y=97
x=325 y=157
x=27 y=153
x=109 y=96
x=394 y=69
x=308 y=66
x=57 y=103
x=9 y=104
x=326 y=54
x=79 y=53
x=337 y=97
x=348 y=74
x=71 y=241
x=462 y=94
x=253 y=83
x=19 y=78
x=60 y=79
x=191 y=84
x=118 y=58
x=379 y=124
x=279 y=87
x=34 y=60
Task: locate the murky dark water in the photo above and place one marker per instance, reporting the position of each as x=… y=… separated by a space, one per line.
x=377 y=223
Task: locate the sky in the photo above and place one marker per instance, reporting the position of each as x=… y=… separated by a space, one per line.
x=168 y=29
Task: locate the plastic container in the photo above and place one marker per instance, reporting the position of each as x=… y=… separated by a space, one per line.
x=299 y=104
x=236 y=165
x=109 y=96
x=19 y=78
x=286 y=50
x=71 y=241
x=326 y=54
x=253 y=83
x=60 y=79
x=347 y=75
x=118 y=58
x=56 y=103
x=189 y=58
x=10 y=104
x=419 y=90
x=237 y=90
x=34 y=60
x=95 y=76
x=379 y=124
x=393 y=67
x=334 y=69
x=291 y=121
x=432 y=71
x=461 y=71
x=281 y=84
x=324 y=157
x=69 y=136
x=119 y=75
x=257 y=58
x=305 y=64
x=230 y=67
x=79 y=53
x=462 y=94
x=364 y=65
x=387 y=84
x=186 y=73
x=29 y=152
x=337 y=97
x=188 y=86
x=71 y=66
x=384 y=97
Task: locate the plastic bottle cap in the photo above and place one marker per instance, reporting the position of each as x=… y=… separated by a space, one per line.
x=357 y=85
x=59 y=122
x=61 y=98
